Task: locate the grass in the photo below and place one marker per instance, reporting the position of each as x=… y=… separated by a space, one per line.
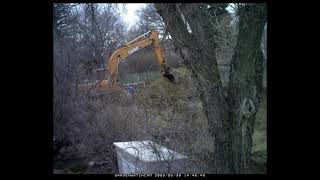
x=139 y=77
x=259 y=149
x=161 y=89
x=161 y=97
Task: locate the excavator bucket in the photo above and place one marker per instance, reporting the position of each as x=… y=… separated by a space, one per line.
x=169 y=76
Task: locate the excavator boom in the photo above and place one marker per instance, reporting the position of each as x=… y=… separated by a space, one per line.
x=110 y=82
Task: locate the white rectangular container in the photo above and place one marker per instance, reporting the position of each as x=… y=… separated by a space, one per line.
x=147 y=157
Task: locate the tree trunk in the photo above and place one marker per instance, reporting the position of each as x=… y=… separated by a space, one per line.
x=197 y=51
x=245 y=87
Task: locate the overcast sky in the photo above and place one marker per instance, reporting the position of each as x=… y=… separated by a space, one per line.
x=130 y=17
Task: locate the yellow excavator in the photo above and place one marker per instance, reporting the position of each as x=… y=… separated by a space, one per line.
x=110 y=82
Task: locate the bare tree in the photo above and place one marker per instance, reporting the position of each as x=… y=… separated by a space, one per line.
x=62 y=18
x=82 y=34
x=198 y=51
x=101 y=29
x=150 y=19
x=190 y=28
x=246 y=77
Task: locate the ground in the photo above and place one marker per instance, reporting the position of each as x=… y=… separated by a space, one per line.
x=177 y=114
x=259 y=149
x=189 y=105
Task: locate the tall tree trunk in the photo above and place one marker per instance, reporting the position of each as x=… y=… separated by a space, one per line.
x=246 y=82
x=197 y=50
x=231 y=125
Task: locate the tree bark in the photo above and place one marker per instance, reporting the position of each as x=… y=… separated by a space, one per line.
x=197 y=50
x=230 y=120
x=246 y=82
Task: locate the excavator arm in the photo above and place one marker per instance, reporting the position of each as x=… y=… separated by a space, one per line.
x=110 y=82
x=130 y=48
